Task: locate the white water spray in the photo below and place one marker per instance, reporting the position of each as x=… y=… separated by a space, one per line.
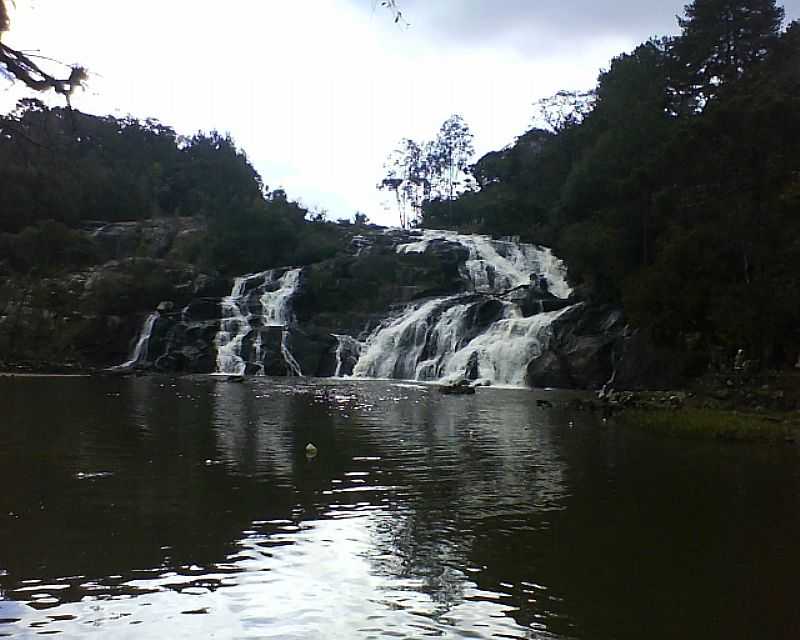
x=476 y=334
x=234 y=328
x=238 y=320
x=142 y=343
x=498 y=265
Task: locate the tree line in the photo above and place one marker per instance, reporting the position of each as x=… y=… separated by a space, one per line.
x=61 y=169
x=673 y=187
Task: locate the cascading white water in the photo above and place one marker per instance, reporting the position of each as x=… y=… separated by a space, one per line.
x=234 y=328
x=497 y=265
x=277 y=311
x=238 y=320
x=442 y=338
x=504 y=350
x=395 y=348
x=140 y=349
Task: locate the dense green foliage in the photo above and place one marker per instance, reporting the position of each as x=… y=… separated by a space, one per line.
x=678 y=192
x=61 y=169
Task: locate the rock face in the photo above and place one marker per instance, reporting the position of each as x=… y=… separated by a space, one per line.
x=581 y=353
x=592 y=346
x=160 y=238
x=428 y=306
x=92 y=318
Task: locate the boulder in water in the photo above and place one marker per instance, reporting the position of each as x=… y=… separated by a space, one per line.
x=460 y=388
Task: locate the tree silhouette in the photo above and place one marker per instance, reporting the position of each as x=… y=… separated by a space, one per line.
x=721 y=39
x=21 y=66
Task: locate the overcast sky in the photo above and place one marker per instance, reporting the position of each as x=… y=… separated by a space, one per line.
x=318 y=92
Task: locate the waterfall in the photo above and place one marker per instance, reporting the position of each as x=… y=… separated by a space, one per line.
x=140 y=349
x=288 y=358
x=234 y=328
x=499 y=265
x=240 y=340
x=348 y=351
x=394 y=348
x=476 y=334
x=276 y=310
x=504 y=350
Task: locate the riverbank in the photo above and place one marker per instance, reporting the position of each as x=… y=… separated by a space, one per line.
x=720 y=406
x=715 y=424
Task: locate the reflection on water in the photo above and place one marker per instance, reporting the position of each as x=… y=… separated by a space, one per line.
x=154 y=507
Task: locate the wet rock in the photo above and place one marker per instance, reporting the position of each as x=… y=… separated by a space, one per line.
x=473 y=368
x=155 y=238
x=580 y=354
x=460 y=388
x=642 y=364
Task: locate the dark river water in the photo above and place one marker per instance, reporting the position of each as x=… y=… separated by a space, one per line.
x=162 y=508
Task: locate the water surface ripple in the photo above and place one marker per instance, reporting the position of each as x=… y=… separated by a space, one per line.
x=188 y=508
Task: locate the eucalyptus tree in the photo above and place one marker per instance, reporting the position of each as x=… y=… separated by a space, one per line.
x=408 y=176
x=417 y=172
x=451 y=154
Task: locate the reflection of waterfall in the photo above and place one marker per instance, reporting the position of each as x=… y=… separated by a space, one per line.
x=140 y=349
x=251 y=439
x=257 y=302
x=474 y=335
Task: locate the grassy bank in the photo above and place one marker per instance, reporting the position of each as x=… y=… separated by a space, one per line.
x=715 y=424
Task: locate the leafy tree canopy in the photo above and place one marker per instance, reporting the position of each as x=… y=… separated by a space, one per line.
x=62 y=171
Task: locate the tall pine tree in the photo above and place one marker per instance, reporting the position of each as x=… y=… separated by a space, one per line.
x=721 y=40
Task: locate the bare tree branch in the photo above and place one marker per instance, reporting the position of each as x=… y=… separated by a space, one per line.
x=19 y=66
x=392 y=6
